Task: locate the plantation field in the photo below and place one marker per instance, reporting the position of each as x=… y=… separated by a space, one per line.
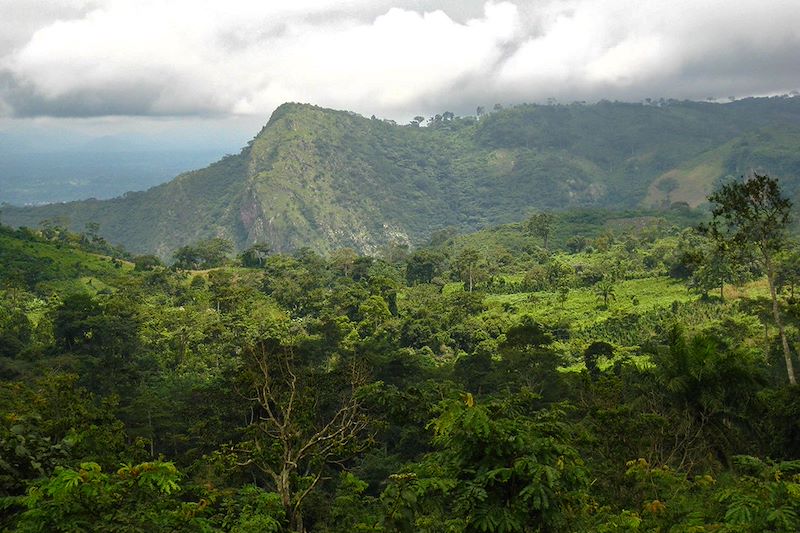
x=583 y=307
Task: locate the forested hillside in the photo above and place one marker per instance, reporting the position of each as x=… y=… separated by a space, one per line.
x=328 y=179
x=567 y=372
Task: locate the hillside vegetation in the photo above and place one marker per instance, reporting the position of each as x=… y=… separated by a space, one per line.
x=576 y=371
x=328 y=179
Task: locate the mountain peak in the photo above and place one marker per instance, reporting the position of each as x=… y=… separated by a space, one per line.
x=329 y=179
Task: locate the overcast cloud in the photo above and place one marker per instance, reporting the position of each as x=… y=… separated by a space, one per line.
x=195 y=58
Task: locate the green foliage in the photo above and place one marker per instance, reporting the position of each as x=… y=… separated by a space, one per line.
x=205 y=254
x=423 y=266
x=752 y=216
x=254 y=509
x=757 y=496
x=541 y=225
x=498 y=469
x=15 y=331
x=146 y=262
x=29 y=261
x=255 y=255
x=604 y=290
x=751 y=213
x=136 y=497
x=348 y=393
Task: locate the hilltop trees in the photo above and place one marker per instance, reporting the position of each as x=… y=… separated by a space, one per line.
x=208 y=253
x=752 y=215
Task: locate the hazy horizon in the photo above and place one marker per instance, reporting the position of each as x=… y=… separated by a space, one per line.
x=187 y=75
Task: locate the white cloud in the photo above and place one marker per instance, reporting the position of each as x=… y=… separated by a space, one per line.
x=148 y=57
x=629 y=48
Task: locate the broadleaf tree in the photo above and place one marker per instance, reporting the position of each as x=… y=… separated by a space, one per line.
x=752 y=215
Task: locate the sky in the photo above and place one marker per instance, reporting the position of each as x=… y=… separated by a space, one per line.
x=212 y=71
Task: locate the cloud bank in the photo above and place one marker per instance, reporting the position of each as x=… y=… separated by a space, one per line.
x=90 y=58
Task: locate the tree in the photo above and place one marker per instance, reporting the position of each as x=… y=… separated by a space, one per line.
x=559 y=274
x=788 y=270
x=422 y=266
x=143 y=263
x=541 y=225
x=208 y=253
x=752 y=216
x=576 y=244
x=254 y=256
x=591 y=355
x=713 y=385
x=394 y=251
x=501 y=466
x=104 y=333
x=139 y=497
x=16 y=331
x=467 y=265
x=717 y=268
x=344 y=260
x=300 y=430
x=55 y=228
x=91 y=233
x=563 y=295
x=605 y=289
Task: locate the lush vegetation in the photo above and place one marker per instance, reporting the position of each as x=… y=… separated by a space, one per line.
x=332 y=179
x=578 y=371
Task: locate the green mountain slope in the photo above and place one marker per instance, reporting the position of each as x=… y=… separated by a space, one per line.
x=27 y=260
x=772 y=149
x=327 y=179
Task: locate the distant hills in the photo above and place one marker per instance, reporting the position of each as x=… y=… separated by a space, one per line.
x=328 y=179
x=32 y=178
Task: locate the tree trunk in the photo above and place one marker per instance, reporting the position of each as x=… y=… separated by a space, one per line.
x=284 y=488
x=722 y=292
x=296 y=523
x=787 y=354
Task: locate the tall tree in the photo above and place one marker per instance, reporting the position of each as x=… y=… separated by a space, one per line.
x=753 y=215
x=789 y=270
x=468 y=266
x=541 y=225
x=301 y=428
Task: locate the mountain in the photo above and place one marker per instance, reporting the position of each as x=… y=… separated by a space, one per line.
x=328 y=179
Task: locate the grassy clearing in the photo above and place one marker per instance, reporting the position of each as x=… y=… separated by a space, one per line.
x=583 y=307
